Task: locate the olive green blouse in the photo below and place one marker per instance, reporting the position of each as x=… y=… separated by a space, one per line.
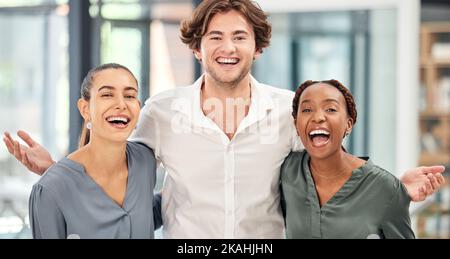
x=371 y=204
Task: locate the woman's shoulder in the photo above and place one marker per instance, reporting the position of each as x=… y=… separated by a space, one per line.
x=140 y=149
x=141 y=156
x=61 y=175
x=295 y=157
x=293 y=162
x=383 y=179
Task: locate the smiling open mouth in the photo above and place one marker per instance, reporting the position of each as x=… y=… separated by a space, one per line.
x=227 y=61
x=118 y=122
x=319 y=138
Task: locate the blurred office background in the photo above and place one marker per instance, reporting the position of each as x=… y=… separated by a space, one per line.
x=393 y=54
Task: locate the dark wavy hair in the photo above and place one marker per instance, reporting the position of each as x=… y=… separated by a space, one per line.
x=192 y=30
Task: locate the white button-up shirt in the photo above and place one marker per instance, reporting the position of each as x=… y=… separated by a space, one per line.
x=216 y=187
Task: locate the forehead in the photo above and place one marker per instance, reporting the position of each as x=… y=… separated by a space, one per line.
x=119 y=78
x=320 y=92
x=228 y=22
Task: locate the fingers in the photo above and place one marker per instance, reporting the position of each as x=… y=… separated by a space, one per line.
x=421 y=194
x=9 y=144
x=440 y=178
x=26 y=162
x=433 y=169
x=434 y=182
x=14 y=147
x=8 y=136
x=25 y=137
x=428 y=187
x=22 y=156
x=17 y=151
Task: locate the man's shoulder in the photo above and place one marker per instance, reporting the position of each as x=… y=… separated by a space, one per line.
x=171 y=94
x=277 y=92
x=281 y=99
x=165 y=101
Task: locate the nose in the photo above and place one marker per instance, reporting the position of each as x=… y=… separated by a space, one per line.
x=120 y=103
x=228 y=46
x=318 y=117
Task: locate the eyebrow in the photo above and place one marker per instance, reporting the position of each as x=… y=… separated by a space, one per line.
x=240 y=32
x=331 y=100
x=221 y=33
x=326 y=100
x=214 y=32
x=113 y=88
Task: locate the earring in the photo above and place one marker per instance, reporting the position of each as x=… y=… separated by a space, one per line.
x=89 y=125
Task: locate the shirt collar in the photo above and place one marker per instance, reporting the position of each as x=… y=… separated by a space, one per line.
x=261 y=103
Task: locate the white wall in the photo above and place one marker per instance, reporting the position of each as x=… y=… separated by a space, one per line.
x=382 y=141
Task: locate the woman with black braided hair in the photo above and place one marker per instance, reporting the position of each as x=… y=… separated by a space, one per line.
x=327 y=192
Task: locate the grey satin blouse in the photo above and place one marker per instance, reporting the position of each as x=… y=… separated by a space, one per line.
x=371 y=204
x=67 y=203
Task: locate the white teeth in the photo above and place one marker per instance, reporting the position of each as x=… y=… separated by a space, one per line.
x=122 y=119
x=228 y=60
x=317 y=132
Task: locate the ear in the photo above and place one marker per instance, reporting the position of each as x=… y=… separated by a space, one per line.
x=349 y=127
x=198 y=54
x=257 y=54
x=83 y=107
x=296 y=128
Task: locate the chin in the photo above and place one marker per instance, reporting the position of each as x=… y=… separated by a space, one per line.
x=318 y=154
x=119 y=141
x=120 y=137
x=229 y=80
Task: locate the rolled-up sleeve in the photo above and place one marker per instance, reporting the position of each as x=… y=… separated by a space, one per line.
x=46 y=219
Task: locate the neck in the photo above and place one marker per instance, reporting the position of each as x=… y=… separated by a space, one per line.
x=214 y=89
x=106 y=157
x=333 y=167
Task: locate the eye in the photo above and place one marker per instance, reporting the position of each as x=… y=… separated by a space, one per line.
x=306 y=110
x=130 y=96
x=331 y=110
x=239 y=38
x=106 y=95
x=215 y=38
